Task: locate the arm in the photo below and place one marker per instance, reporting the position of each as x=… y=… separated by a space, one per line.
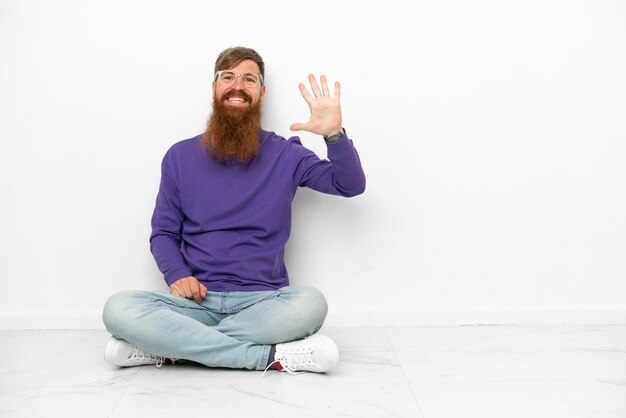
x=167 y=225
x=166 y=236
x=343 y=174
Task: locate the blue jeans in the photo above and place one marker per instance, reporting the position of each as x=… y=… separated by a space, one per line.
x=226 y=329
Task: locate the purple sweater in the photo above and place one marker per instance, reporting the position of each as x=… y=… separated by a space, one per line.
x=227 y=224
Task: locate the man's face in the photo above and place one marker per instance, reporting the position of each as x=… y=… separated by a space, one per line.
x=239 y=96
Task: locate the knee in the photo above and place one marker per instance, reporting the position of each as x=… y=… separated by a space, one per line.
x=317 y=303
x=115 y=312
x=312 y=306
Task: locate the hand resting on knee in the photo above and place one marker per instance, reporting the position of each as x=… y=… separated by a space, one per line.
x=190 y=288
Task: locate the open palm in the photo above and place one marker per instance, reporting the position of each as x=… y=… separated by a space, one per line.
x=325 y=110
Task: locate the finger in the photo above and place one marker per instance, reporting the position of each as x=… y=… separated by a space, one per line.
x=337 y=94
x=324 y=86
x=314 y=86
x=305 y=93
x=174 y=291
x=203 y=291
x=197 y=291
x=186 y=290
x=297 y=127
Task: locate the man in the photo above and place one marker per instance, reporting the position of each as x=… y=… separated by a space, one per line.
x=219 y=229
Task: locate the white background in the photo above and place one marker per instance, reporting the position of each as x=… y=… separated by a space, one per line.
x=493 y=136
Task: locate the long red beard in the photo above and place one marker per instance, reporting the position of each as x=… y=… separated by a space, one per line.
x=233 y=132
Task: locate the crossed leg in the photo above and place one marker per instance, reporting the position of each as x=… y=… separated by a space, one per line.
x=227 y=329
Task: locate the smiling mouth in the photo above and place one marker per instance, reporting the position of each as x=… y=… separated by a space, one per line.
x=236 y=100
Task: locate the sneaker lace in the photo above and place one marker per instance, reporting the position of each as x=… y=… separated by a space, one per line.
x=292 y=362
x=140 y=355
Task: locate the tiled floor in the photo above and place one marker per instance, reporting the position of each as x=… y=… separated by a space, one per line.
x=430 y=372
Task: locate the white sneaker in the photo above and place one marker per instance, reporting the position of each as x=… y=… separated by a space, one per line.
x=316 y=353
x=124 y=354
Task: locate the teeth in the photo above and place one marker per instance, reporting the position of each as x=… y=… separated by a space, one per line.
x=236 y=99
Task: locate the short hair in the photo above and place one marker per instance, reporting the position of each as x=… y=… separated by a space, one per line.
x=231 y=57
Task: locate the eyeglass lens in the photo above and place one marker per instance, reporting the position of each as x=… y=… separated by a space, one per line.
x=228 y=77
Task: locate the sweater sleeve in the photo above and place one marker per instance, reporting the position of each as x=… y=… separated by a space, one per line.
x=341 y=174
x=167 y=222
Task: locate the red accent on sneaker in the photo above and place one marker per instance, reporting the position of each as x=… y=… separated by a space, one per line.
x=279 y=366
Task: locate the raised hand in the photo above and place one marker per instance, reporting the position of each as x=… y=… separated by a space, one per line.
x=325 y=110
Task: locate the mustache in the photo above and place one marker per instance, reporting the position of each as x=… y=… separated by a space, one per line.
x=237 y=93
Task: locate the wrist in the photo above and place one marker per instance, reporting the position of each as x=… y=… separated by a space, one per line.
x=334 y=136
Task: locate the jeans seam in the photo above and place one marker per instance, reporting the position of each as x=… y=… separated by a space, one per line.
x=173 y=303
x=265 y=357
x=233 y=311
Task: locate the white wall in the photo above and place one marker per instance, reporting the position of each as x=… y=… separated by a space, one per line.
x=492 y=134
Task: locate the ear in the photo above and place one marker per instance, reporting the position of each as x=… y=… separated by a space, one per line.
x=213 y=87
x=262 y=91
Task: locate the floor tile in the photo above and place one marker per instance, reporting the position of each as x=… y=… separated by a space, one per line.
x=192 y=392
x=365 y=338
x=513 y=364
x=504 y=337
x=479 y=398
x=440 y=372
x=58 y=374
x=619 y=333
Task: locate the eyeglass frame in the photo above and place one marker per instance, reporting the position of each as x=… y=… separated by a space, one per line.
x=237 y=75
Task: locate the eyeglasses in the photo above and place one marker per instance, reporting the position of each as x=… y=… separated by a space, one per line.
x=227 y=78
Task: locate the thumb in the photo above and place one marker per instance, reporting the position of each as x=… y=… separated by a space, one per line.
x=297 y=127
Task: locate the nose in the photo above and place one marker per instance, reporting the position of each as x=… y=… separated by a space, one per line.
x=239 y=83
